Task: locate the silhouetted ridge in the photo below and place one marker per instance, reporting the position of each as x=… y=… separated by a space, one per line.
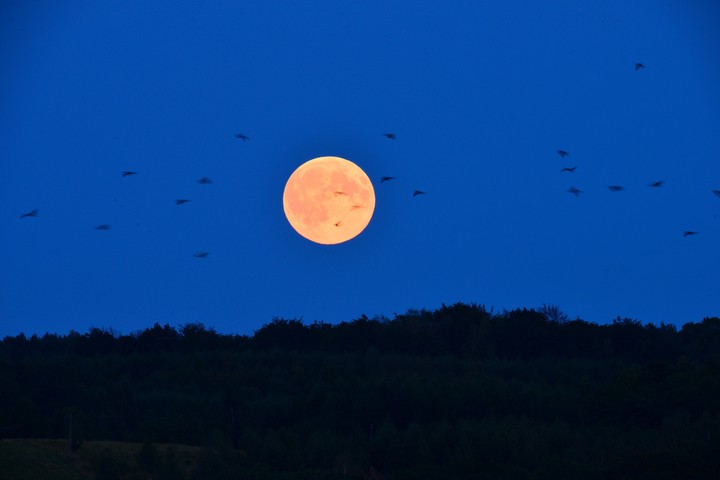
x=428 y=394
x=462 y=330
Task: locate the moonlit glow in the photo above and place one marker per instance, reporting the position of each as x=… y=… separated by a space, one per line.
x=329 y=200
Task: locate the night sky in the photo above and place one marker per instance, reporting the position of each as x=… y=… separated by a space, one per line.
x=480 y=96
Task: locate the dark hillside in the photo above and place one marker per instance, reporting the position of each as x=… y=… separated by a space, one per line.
x=457 y=392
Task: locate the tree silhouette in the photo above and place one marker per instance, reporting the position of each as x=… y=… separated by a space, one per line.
x=456 y=392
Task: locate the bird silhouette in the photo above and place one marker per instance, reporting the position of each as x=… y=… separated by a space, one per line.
x=338 y=223
x=205 y=181
x=391 y=136
x=386 y=179
x=687 y=233
x=418 y=192
x=31 y=213
x=616 y=188
x=574 y=191
x=180 y=201
x=201 y=254
x=103 y=226
x=563 y=153
x=717 y=192
x=638 y=66
x=127 y=173
x=337 y=194
x=242 y=137
x=569 y=169
x=657 y=184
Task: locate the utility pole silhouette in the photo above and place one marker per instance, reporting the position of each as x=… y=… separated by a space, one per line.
x=70 y=437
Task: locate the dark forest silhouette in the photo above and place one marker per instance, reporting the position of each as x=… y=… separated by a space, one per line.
x=458 y=392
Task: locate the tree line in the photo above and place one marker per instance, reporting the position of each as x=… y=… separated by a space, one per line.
x=462 y=330
x=457 y=392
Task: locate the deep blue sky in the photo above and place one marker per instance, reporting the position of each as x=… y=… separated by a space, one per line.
x=480 y=94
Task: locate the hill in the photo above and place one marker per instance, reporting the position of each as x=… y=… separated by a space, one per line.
x=456 y=393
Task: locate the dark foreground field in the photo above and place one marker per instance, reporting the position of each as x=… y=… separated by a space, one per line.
x=456 y=393
x=44 y=459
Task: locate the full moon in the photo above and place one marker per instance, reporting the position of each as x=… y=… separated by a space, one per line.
x=329 y=200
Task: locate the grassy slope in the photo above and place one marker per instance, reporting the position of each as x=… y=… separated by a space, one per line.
x=35 y=459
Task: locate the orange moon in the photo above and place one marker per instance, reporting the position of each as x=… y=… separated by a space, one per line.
x=329 y=200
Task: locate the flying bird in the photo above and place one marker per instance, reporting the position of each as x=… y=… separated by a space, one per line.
x=563 y=153
x=391 y=136
x=127 y=173
x=418 y=192
x=569 y=169
x=659 y=183
x=687 y=233
x=386 y=179
x=716 y=192
x=201 y=254
x=638 y=66
x=616 y=188
x=31 y=213
x=337 y=194
x=205 y=181
x=242 y=137
x=103 y=226
x=180 y=201
x=574 y=191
